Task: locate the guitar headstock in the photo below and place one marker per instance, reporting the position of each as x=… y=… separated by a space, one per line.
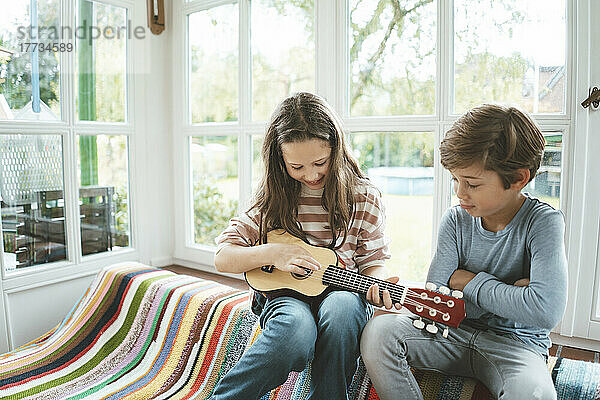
x=445 y=306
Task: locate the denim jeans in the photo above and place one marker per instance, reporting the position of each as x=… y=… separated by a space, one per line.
x=507 y=366
x=294 y=332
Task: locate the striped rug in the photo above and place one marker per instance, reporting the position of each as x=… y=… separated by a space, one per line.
x=146 y=333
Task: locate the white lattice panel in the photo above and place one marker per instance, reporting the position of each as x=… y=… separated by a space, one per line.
x=29 y=164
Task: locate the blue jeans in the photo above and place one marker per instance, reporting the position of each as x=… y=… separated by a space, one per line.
x=507 y=366
x=293 y=334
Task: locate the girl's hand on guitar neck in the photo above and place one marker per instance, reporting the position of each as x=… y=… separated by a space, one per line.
x=385 y=299
x=292 y=258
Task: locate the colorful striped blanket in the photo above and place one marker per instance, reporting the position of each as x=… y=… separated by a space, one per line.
x=146 y=333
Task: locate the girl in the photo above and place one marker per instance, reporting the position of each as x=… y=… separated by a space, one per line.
x=314 y=189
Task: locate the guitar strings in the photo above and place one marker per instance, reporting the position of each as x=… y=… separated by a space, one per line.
x=412 y=298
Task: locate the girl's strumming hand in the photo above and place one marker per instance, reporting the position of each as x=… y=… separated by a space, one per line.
x=293 y=258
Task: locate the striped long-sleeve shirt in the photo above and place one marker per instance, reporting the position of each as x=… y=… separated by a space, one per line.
x=365 y=245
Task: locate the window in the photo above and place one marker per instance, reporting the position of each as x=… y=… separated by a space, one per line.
x=213 y=74
x=283 y=52
x=510 y=52
x=103 y=193
x=29 y=73
x=215 y=185
x=33 y=203
x=52 y=146
x=398 y=73
x=392 y=58
x=101 y=63
x=400 y=164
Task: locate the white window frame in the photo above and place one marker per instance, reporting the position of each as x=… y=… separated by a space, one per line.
x=332 y=82
x=69 y=127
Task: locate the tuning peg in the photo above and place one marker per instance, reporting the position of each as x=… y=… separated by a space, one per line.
x=457 y=294
x=418 y=323
x=431 y=328
x=445 y=332
x=444 y=290
x=430 y=286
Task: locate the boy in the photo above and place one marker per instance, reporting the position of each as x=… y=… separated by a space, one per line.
x=504 y=250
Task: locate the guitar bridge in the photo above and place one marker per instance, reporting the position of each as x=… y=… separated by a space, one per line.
x=267 y=268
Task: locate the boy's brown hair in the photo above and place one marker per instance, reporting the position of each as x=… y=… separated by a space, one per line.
x=503 y=139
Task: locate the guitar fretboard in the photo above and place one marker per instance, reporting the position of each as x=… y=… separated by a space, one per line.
x=349 y=280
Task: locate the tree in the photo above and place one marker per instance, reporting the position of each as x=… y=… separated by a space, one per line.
x=17 y=70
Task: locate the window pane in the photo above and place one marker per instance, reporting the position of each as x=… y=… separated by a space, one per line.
x=101 y=62
x=213 y=36
x=31 y=188
x=392 y=57
x=400 y=164
x=29 y=74
x=258 y=166
x=546 y=185
x=215 y=185
x=283 y=53
x=103 y=193
x=510 y=52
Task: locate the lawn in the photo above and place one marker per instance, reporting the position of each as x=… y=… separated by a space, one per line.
x=409 y=227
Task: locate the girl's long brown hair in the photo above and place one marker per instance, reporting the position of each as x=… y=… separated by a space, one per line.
x=300 y=117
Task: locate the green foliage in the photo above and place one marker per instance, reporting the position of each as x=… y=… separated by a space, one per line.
x=220 y=79
x=16 y=71
x=394 y=32
x=393 y=149
x=109 y=64
x=211 y=211
x=121 y=216
x=488 y=78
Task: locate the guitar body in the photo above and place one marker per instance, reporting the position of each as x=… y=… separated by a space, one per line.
x=271 y=280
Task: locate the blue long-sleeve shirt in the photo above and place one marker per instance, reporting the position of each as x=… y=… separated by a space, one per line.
x=530 y=246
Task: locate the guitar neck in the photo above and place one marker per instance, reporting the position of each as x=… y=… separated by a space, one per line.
x=347 y=280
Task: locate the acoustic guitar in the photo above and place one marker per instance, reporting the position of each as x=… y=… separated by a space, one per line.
x=426 y=303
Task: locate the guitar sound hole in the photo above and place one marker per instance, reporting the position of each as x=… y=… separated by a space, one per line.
x=302 y=276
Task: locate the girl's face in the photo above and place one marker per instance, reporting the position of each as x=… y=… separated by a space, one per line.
x=308 y=161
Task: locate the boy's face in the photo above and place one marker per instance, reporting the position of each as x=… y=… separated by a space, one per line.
x=482 y=194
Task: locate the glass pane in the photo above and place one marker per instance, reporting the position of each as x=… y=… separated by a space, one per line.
x=511 y=52
x=31 y=189
x=103 y=193
x=546 y=185
x=213 y=36
x=392 y=57
x=101 y=62
x=283 y=52
x=215 y=185
x=400 y=164
x=29 y=67
x=258 y=166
